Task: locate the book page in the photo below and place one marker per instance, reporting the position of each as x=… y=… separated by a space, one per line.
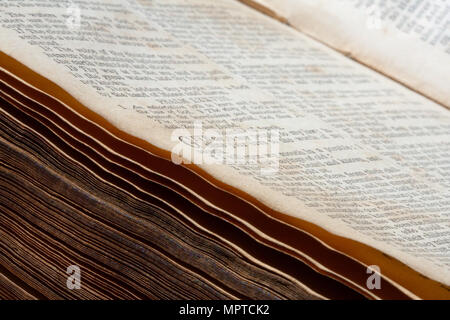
x=408 y=41
x=357 y=154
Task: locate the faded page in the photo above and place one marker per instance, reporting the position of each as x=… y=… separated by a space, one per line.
x=406 y=40
x=358 y=154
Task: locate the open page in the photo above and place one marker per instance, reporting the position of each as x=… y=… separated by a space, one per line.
x=356 y=153
x=406 y=40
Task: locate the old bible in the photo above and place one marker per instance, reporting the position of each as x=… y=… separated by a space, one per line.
x=194 y=149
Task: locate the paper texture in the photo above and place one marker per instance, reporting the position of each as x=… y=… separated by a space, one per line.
x=406 y=40
x=360 y=155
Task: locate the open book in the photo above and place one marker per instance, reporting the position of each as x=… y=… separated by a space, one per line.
x=205 y=149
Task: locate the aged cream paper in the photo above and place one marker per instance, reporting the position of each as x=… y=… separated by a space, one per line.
x=360 y=155
x=407 y=40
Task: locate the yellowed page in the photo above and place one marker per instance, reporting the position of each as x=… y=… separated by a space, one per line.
x=360 y=155
x=405 y=40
